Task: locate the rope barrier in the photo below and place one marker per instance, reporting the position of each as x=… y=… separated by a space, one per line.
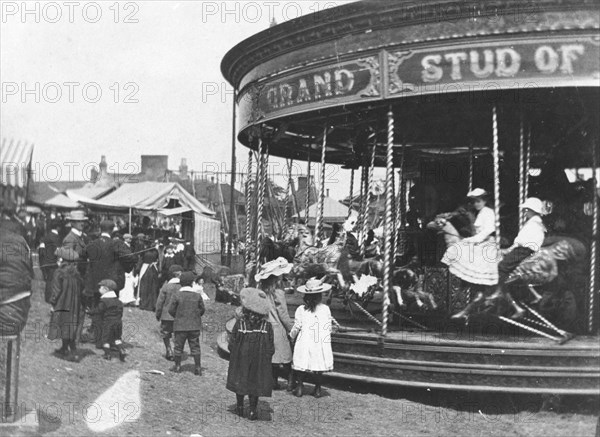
x=387 y=241
x=366 y=313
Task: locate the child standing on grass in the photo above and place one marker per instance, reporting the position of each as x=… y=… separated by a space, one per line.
x=65 y=298
x=187 y=308
x=251 y=349
x=162 y=308
x=312 y=331
x=110 y=311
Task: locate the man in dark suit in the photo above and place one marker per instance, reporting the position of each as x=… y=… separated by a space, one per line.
x=76 y=239
x=107 y=259
x=47 y=252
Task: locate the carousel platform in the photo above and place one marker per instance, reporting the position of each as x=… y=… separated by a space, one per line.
x=467 y=359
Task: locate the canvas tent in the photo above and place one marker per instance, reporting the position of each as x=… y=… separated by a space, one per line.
x=160 y=197
x=15 y=163
x=333 y=212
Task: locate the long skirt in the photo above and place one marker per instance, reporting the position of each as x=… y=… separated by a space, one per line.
x=476 y=263
x=148 y=287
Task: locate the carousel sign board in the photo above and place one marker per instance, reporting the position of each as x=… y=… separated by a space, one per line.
x=495 y=66
x=343 y=82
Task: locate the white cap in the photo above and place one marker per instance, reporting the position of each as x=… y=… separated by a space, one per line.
x=534 y=204
x=477 y=192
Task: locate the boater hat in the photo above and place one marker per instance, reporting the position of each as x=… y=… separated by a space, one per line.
x=314 y=286
x=277 y=267
x=76 y=216
x=534 y=204
x=254 y=300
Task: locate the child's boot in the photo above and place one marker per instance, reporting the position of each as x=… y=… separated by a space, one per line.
x=318 y=378
x=253 y=414
x=177 y=367
x=107 y=353
x=239 y=409
x=274 y=369
x=169 y=354
x=290 y=382
x=197 y=369
x=298 y=391
x=122 y=353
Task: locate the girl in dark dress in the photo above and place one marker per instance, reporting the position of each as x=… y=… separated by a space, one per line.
x=67 y=312
x=251 y=348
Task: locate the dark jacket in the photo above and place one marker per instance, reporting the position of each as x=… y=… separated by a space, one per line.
x=67 y=286
x=50 y=243
x=75 y=242
x=164 y=300
x=187 y=308
x=107 y=259
x=110 y=310
x=16 y=270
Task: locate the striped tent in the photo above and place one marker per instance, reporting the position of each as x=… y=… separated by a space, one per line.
x=15 y=163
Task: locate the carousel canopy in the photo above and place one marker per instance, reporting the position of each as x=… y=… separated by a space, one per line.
x=440 y=66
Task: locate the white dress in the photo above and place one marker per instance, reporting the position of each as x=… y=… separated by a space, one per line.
x=312 y=352
x=475 y=259
x=127 y=294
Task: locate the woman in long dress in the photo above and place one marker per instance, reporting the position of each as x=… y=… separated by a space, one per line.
x=148 y=281
x=475 y=259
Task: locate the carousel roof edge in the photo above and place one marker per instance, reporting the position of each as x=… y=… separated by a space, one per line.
x=364 y=16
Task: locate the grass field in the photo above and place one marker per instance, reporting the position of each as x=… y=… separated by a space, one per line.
x=85 y=397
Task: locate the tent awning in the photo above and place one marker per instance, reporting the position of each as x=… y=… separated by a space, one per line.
x=174 y=211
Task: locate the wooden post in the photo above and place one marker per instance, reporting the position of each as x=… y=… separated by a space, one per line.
x=232 y=216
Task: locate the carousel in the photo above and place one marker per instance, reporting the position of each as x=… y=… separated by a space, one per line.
x=449 y=98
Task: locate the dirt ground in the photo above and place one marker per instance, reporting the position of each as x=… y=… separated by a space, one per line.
x=66 y=395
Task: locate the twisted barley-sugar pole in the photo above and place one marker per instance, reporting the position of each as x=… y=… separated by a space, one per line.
x=527 y=165
x=400 y=206
x=351 y=205
x=307 y=203
x=521 y=171
x=289 y=206
x=387 y=241
x=249 y=215
x=368 y=199
x=361 y=206
x=321 y=204
x=594 y=248
x=496 y=173
x=471 y=166
x=260 y=199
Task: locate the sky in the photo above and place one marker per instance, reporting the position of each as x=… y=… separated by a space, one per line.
x=84 y=79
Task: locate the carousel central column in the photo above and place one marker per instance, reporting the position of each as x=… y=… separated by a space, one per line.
x=387 y=240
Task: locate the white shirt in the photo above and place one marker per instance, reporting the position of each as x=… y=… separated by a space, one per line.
x=532 y=234
x=485 y=225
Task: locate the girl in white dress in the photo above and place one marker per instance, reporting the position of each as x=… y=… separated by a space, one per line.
x=312 y=332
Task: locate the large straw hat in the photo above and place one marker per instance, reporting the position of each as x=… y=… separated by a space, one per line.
x=77 y=215
x=255 y=300
x=314 y=286
x=534 y=204
x=277 y=267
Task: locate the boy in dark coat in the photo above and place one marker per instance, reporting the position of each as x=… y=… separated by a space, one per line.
x=187 y=308
x=67 y=310
x=162 y=307
x=110 y=312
